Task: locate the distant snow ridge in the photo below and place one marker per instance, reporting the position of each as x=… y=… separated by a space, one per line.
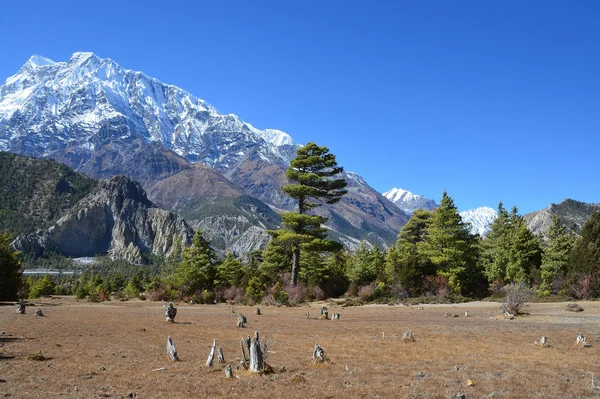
x=74 y=104
x=408 y=201
x=480 y=219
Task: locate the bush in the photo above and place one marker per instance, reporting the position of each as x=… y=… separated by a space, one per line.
x=296 y=295
x=365 y=292
x=516 y=296
x=42 y=287
x=233 y=295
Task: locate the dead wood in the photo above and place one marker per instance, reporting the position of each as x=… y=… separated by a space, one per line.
x=228 y=371
x=241 y=320
x=170 y=312
x=573 y=307
x=256 y=358
x=258 y=311
x=39 y=313
x=335 y=316
x=318 y=354
x=211 y=355
x=220 y=355
x=408 y=336
x=171 y=351
x=324 y=313
x=21 y=307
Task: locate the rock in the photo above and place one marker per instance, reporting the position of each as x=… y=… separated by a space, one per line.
x=573 y=307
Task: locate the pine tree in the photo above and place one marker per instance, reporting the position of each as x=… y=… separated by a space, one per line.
x=525 y=255
x=555 y=258
x=584 y=264
x=361 y=267
x=495 y=247
x=450 y=246
x=405 y=261
x=312 y=184
x=197 y=269
x=229 y=272
x=10 y=270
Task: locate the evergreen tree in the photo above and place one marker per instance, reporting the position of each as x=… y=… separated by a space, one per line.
x=405 y=261
x=197 y=269
x=229 y=272
x=361 y=267
x=312 y=184
x=335 y=265
x=450 y=246
x=555 y=258
x=10 y=269
x=495 y=248
x=584 y=264
x=525 y=255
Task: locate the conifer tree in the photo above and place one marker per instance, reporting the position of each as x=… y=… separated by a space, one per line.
x=312 y=183
x=229 y=272
x=555 y=258
x=197 y=269
x=584 y=264
x=10 y=269
x=450 y=246
x=495 y=247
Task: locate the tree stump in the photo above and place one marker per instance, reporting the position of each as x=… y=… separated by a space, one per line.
x=573 y=307
x=241 y=320
x=256 y=358
x=408 y=336
x=211 y=355
x=171 y=351
x=581 y=341
x=228 y=371
x=245 y=344
x=220 y=355
x=318 y=354
x=544 y=341
x=170 y=312
x=507 y=313
x=39 y=313
x=335 y=316
x=258 y=311
x=307 y=315
x=21 y=307
x=324 y=313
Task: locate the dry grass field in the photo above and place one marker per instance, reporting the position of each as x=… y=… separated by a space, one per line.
x=111 y=350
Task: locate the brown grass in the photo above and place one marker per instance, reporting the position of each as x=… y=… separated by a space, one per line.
x=111 y=349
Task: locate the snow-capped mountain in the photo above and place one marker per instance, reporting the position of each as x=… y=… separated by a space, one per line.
x=480 y=219
x=50 y=106
x=408 y=201
x=103 y=120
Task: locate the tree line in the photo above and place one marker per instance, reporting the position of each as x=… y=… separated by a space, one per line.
x=435 y=255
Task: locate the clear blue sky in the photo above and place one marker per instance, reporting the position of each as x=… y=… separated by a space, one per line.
x=491 y=100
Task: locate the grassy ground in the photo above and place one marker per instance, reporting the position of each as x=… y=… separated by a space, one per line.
x=111 y=349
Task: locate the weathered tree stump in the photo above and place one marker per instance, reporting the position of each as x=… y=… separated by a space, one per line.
x=228 y=371
x=170 y=312
x=241 y=320
x=318 y=354
x=324 y=313
x=245 y=344
x=171 y=351
x=408 y=336
x=211 y=355
x=39 y=313
x=256 y=357
x=507 y=313
x=467 y=314
x=544 y=341
x=335 y=316
x=21 y=307
x=258 y=311
x=307 y=315
x=581 y=341
x=220 y=355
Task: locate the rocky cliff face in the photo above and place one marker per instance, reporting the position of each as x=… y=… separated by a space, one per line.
x=572 y=214
x=117 y=219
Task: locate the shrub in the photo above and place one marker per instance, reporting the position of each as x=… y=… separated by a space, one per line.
x=516 y=296
x=233 y=295
x=365 y=292
x=296 y=295
x=316 y=293
x=157 y=293
x=42 y=287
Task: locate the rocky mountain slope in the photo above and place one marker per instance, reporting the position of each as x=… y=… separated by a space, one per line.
x=573 y=214
x=408 y=201
x=103 y=120
x=77 y=216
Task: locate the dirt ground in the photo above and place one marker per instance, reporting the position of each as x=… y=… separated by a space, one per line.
x=117 y=350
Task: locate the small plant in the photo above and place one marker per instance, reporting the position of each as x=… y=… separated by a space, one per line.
x=516 y=295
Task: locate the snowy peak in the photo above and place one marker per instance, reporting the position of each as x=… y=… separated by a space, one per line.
x=74 y=104
x=480 y=219
x=408 y=201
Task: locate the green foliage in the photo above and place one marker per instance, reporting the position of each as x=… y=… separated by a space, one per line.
x=40 y=287
x=555 y=258
x=450 y=247
x=256 y=289
x=229 y=272
x=10 y=269
x=406 y=263
x=584 y=270
x=196 y=271
x=365 y=266
x=312 y=183
x=510 y=252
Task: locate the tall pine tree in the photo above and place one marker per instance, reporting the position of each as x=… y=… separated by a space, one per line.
x=451 y=247
x=312 y=183
x=197 y=268
x=555 y=258
x=584 y=265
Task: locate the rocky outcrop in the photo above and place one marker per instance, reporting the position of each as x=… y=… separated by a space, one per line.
x=572 y=214
x=117 y=219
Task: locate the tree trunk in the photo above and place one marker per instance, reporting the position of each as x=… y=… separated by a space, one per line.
x=171 y=351
x=335 y=316
x=241 y=320
x=408 y=336
x=211 y=355
x=228 y=371
x=256 y=357
x=21 y=307
x=258 y=311
x=318 y=354
x=324 y=313
x=245 y=344
x=170 y=312
x=295 y=266
x=220 y=355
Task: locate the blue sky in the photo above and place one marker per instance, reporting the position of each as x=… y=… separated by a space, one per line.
x=491 y=100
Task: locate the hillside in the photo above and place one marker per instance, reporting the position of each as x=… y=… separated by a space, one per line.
x=571 y=213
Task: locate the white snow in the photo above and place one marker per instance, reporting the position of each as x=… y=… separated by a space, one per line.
x=38 y=61
x=480 y=219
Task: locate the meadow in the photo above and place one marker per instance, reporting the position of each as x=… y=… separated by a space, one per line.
x=117 y=350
